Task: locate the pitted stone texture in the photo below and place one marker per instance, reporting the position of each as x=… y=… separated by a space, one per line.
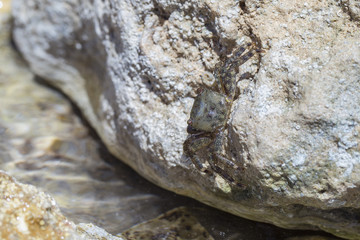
x=133 y=68
x=27 y=213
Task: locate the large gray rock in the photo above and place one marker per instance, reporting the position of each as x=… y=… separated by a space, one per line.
x=133 y=68
x=44 y=143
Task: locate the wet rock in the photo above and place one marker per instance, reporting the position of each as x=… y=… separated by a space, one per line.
x=133 y=68
x=27 y=213
x=176 y=224
x=90 y=231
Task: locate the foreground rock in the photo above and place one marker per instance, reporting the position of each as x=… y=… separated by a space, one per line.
x=133 y=68
x=26 y=213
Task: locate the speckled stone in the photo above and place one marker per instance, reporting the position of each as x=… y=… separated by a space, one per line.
x=27 y=213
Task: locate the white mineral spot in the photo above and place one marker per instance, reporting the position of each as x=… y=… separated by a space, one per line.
x=22 y=225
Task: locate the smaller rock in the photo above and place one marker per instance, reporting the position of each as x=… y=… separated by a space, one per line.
x=175 y=224
x=27 y=213
x=90 y=231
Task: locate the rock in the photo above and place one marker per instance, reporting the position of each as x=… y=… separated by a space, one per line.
x=26 y=213
x=90 y=231
x=176 y=224
x=133 y=68
x=43 y=142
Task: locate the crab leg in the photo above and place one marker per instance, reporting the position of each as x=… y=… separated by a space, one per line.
x=216 y=159
x=193 y=144
x=226 y=75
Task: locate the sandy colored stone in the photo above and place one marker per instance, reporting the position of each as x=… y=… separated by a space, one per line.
x=26 y=213
x=133 y=68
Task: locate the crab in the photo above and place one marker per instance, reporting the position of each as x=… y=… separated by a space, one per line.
x=210 y=113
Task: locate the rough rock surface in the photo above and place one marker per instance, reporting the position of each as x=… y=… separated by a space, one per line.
x=180 y=224
x=90 y=231
x=44 y=143
x=26 y=213
x=29 y=214
x=133 y=68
